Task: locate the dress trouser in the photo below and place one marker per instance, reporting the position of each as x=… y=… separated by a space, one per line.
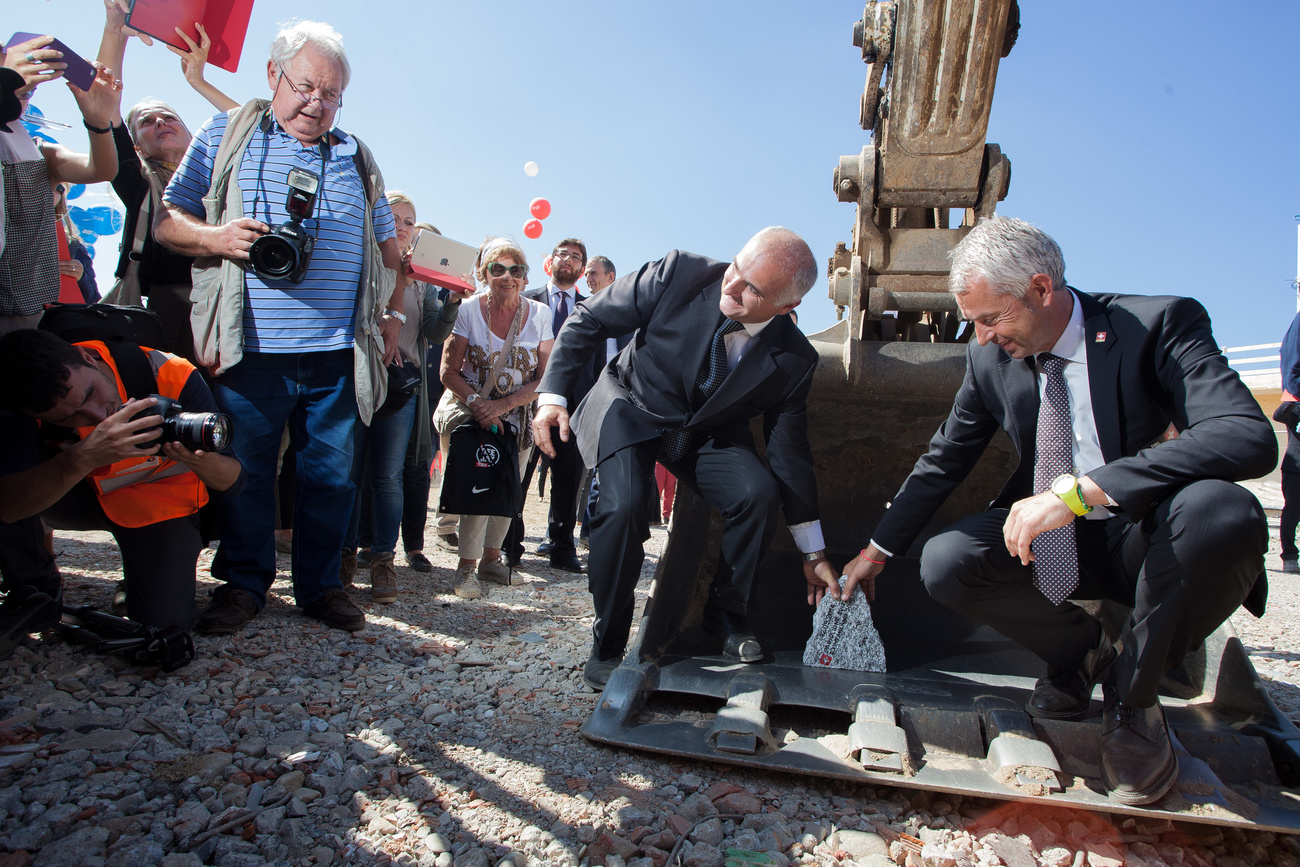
x=1183 y=569
x=157 y=559
x=729 y=478
x=566 y=482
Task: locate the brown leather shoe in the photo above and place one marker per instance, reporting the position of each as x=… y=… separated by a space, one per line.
x=383 y=579
x=337 y=610
x=229 y=609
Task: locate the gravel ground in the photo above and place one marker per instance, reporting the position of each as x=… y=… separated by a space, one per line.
x=446 y=732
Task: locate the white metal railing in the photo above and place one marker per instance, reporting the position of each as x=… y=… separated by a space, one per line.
x=1254 y=363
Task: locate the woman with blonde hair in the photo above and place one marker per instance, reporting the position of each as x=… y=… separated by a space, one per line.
x=468 y=358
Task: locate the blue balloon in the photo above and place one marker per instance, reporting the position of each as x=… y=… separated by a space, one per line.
x=88 y=238
x=75 y=191
x=102 y=220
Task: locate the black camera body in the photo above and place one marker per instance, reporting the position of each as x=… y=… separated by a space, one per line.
x=285 y=252
x=209 y=431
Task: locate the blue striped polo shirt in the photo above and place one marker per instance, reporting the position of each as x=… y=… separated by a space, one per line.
x=317 y=314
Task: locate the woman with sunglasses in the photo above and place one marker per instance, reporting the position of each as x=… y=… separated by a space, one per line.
x=467 y=360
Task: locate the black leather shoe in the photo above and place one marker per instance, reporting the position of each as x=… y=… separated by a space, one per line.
x=1067 y=696
x=568 y=563
x=546 y=547
x=595 y=674
x=738 y=643
x=1138 y=765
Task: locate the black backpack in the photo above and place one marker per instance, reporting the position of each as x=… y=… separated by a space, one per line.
x=122 y=329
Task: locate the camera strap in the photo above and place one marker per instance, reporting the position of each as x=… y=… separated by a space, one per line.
x=134 y=368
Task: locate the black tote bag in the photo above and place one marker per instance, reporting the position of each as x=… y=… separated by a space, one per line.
x=482 y=473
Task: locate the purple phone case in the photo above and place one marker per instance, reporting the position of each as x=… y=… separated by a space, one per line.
x=79 y=70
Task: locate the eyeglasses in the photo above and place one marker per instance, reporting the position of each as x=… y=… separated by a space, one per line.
x=567 y=254
x=307 y=97
x=496 y=269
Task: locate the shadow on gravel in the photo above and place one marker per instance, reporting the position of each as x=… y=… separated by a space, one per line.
x=305 y=713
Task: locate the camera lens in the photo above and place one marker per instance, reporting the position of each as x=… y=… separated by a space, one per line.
x=209 y=431
x=272 y=256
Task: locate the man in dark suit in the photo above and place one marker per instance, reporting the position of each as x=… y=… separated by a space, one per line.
x=600 y=275
x=568 y=261
x=1105 y=504
x=713 y=349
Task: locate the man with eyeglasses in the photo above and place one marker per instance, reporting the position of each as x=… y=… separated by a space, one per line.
x=305 y=353
x=713 y=349
x=568 y=262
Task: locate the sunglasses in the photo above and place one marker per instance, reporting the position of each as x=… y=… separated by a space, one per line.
x=496 y=269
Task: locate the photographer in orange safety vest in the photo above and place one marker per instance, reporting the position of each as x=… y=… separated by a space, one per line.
x=76 y=451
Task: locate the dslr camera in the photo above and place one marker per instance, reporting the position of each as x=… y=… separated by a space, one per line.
x=209 y=431
x=285 y=252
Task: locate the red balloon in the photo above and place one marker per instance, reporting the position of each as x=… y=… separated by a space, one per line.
x=533 y=229
x=546 y=265
x=540 y=208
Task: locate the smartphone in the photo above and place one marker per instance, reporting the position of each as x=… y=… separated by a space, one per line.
x=79 y=70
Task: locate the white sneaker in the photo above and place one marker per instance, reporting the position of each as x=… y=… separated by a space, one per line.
x=467 y=584
x=497 y=572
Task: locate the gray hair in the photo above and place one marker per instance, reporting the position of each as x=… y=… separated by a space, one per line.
x=1006 y=253
x=295 y=35
x=795 y=258
x=606 y=266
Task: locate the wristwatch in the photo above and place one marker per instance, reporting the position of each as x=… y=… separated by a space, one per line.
x=469 y=401
x=396 y=314
x=814 y=555
x=1070 y=490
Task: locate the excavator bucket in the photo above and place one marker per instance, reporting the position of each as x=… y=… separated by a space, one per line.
x=947 y=714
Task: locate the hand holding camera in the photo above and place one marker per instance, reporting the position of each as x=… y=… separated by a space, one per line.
x=127 y=433
x=284 y=252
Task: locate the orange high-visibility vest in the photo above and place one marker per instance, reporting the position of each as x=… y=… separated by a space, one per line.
x=136 y=492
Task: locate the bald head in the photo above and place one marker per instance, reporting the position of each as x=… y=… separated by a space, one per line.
x=792 y=257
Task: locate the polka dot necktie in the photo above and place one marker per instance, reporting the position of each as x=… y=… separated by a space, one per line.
x=674 y=444
x=1056 y=554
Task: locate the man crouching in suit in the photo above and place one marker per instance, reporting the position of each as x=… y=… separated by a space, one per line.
x=713 y=349
x=1099 y=506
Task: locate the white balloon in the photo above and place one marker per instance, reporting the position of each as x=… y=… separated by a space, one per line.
x=530 y=169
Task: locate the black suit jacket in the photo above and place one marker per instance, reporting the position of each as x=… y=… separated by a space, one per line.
x=1152 y=360
x=672 y=305
x=582 y=384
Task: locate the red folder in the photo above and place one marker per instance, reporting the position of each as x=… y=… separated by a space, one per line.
x=226 y=22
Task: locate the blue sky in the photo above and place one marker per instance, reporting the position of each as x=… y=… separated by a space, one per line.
x=1156 y=143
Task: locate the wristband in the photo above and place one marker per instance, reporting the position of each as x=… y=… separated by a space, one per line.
x=396 y=314
x=813 y=556
x=102 y=130
x=863 y=555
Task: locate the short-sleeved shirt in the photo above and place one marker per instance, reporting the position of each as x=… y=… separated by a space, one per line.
x=484 y=346
x=279 y=316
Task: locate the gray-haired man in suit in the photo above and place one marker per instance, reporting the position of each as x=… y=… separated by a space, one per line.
x=1090 y=383
x=713 y=349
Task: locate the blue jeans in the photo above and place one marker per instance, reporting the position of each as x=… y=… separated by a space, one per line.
x=383 y=448
x=313 y=393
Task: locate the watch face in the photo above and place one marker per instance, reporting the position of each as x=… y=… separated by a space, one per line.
x=1063 y=485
